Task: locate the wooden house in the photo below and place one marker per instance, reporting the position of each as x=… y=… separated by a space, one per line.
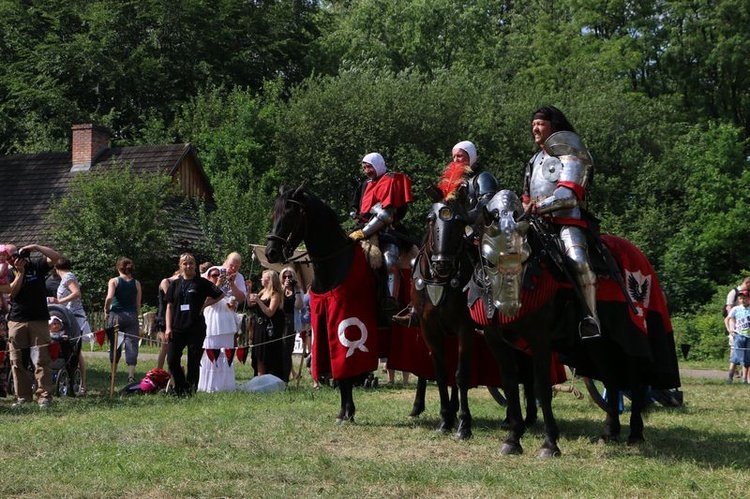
x=29 y=182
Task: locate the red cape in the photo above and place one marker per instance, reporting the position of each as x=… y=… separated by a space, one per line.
x=391 y=189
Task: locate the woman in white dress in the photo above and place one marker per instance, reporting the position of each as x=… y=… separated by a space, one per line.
x=217 y=375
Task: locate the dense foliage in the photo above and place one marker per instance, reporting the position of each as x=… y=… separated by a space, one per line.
x=283 y=91
x=101 y=223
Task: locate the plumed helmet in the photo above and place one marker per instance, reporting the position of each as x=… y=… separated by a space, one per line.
x=377 y=162
x=470 y=149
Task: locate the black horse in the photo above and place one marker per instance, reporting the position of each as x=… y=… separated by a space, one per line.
x=636 y=347
x=344 y=345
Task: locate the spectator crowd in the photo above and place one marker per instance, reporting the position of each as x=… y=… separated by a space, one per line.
x=203 y=312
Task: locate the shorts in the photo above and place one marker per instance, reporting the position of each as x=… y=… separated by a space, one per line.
x=741 y=352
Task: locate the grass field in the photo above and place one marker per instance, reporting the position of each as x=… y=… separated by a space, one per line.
x=287 y=445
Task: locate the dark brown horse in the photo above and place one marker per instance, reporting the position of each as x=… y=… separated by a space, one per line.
x=345 y=338
x=441 y=270
x=526 y=300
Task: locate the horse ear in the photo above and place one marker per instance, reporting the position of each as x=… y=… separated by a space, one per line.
x=462 y=192
x=299 y=189
x=434 y=193
x=486 y=215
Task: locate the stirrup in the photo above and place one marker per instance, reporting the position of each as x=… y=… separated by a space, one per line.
x=589 y=328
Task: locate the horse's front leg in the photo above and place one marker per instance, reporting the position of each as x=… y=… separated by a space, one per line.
x=418 y=406
x=612 y=422
x=639 y=402
x=346 y=389
x=463 y=381
x=436 y=343
x=505 y=357
x=543 y=387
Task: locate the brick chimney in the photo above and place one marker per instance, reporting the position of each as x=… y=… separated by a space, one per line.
x=88 y=142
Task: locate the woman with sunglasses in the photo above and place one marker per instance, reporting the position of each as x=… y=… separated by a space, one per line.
x=216 y=373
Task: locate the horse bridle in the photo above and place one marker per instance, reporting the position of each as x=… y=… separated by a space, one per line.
x=286 y=243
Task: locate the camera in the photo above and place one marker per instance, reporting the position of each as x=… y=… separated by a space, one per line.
x=292 y=282
x=21 y=255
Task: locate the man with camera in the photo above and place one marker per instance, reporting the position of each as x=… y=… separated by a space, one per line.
x=27 y=321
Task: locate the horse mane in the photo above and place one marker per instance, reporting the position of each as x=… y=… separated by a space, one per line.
x=318 y=211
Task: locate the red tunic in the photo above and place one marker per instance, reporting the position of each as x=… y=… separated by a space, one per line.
x=391 y=189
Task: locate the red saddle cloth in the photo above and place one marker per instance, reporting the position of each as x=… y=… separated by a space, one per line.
x=344 y=323
x=406 y=350
x=637 y=273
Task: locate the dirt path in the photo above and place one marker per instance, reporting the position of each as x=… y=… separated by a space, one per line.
x=703 y=373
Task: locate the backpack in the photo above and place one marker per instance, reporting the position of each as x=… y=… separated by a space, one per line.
x=724 y=312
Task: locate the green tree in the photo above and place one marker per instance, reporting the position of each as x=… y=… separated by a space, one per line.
x=710 y=243
x=100 y=221
x=397 y=35
x=118 y=63
x=232 y=131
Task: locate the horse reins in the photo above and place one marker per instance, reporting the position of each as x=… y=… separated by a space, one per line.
x=288 y=245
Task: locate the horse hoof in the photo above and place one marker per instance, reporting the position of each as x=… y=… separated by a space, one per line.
x=415 y=413
x=463 y=435
x=444 y=427
x=509 y=449
x=346 y=419
x=636 y=440
x=604 y=440
x=547 y=453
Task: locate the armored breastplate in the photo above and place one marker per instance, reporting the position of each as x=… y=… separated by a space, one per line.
x=545 y=172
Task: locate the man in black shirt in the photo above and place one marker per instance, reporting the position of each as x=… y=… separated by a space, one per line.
x=27 y=322
x=185 y=325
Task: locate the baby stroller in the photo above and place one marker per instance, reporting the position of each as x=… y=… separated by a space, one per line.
x=64 y=349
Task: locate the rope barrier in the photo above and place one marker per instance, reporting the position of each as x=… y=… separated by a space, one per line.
x=89 y=336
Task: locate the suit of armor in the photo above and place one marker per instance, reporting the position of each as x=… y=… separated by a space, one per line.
x=482 y=186
x=556 y=182
x=382 y=205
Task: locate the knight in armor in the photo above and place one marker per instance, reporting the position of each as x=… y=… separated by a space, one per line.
x=382 y=202
x=556 y=184
x=481 y=186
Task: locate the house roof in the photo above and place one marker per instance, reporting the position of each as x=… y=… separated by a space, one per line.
x=29 y=182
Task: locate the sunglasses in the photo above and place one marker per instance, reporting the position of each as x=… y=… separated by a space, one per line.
x=213 y=274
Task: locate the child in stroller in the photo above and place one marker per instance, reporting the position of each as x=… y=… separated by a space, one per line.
x=64 y=348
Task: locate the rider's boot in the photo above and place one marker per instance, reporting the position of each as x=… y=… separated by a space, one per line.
x=589 y=327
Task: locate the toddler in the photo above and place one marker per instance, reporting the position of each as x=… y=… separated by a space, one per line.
x=4 y=267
